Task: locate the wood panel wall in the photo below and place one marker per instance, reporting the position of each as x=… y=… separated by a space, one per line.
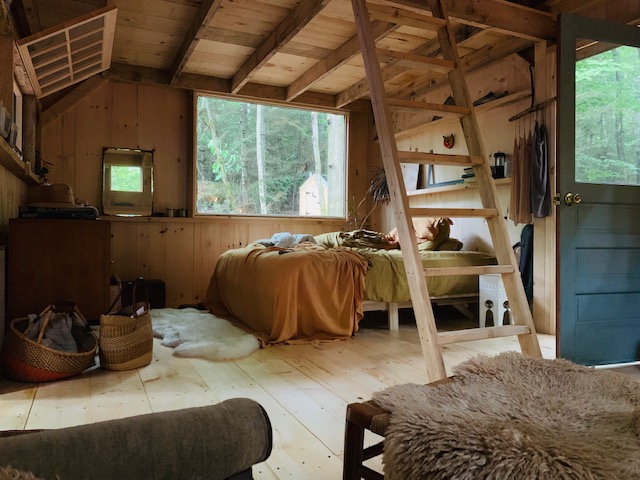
x=13 y=193
x=180 y=251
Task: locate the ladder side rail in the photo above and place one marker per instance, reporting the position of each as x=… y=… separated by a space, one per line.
x=412 y=260
x=488 y=192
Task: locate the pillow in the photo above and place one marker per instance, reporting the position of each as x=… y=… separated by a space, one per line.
x=451 y=245
x=427 y=229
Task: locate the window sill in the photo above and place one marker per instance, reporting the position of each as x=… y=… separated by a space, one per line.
x=12 y=162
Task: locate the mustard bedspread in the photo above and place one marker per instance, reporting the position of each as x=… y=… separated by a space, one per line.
x=301 y=294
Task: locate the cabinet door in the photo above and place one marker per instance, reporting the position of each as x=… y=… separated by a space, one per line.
x=53 y=260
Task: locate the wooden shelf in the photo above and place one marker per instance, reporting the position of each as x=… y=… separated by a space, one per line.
x=453 y=188
x=12 y=162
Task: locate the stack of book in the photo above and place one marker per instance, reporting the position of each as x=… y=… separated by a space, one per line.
x=468 y=175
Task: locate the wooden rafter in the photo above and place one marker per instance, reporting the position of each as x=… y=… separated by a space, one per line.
x=504 y=16
x=300 y=16
x=205 y=13
x=252 y=91
x=335 y=59
x=32 y=16
x=71 y=99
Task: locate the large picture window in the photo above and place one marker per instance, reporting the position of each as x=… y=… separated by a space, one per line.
x=254 y=159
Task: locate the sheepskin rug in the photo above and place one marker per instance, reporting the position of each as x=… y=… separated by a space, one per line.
x=196 y=333
x=511 y=417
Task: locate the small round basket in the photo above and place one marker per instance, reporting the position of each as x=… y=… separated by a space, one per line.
x=26 y=360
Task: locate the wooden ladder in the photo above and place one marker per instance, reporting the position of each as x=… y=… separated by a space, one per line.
x=430 y=339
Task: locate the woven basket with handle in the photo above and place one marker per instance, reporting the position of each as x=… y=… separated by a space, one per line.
x=126 y=335
x=27 y=360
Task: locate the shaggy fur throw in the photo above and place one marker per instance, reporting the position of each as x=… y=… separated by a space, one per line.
x=194 y=333
x=511 y=417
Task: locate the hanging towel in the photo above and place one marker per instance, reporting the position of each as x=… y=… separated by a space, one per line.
x=540 y=194
x=523 y=202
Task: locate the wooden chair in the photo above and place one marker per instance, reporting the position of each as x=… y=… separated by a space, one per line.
x=359 y=418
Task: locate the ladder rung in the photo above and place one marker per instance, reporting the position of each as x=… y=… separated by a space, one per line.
x=469 y=335
x=438 y=108
x=411 y=60
x=467 y=270
x=454 y=212
x=401 y=16
x=438 y=159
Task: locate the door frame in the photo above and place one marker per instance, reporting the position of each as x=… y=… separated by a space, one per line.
x=572 y=27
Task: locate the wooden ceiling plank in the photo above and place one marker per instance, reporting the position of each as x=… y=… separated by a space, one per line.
x=404 y=17
x=413 y=61
x=570 y=6
x=205 y=13
x=335 y=59
x=300 y=16
x=70 y=100
x=504 y=16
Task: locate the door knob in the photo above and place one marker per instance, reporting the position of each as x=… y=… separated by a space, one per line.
x=571 y=198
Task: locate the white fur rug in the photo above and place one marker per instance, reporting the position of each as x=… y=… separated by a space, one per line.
x=194 y=333
x=511 y=417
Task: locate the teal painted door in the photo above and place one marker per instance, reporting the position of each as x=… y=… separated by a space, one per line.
x=599 y=160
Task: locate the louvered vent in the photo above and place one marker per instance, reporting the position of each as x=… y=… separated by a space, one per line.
x=66 y=54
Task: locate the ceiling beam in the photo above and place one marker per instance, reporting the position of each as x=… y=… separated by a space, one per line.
x=122 y=72
x=71 y=99
x=335 y=59
x=502 y=15
x=205 y=13
x=32 y=16
x=297 y=18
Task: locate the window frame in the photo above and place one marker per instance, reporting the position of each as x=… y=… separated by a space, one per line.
x=193 y=193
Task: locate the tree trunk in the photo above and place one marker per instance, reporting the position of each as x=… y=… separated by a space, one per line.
x=208 y=120
x=336 y=156
x=315 y=139
x=619 y=120
x=260 y=148
x=244 y=194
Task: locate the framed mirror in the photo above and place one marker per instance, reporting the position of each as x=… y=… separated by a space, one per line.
x=127 y=182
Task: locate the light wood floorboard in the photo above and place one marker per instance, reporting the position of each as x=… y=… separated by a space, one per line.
x=304 y=389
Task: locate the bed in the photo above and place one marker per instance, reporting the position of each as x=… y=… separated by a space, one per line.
x=316 y=292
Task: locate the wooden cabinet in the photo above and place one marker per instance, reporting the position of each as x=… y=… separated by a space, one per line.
x=53 y=260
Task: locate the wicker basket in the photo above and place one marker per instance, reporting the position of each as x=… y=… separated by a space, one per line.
x=126 y=336
x=27 y=360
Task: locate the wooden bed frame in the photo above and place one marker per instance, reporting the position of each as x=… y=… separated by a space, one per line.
x=459 y=301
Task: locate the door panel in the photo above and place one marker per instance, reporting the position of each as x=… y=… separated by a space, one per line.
x=599 y=159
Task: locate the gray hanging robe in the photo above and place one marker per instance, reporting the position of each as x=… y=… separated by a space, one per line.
x=540 y=190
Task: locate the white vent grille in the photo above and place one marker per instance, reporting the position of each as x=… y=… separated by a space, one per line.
x=66 y=54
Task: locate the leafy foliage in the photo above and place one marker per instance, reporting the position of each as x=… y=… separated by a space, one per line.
x=228 y=179
x=608 y=117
